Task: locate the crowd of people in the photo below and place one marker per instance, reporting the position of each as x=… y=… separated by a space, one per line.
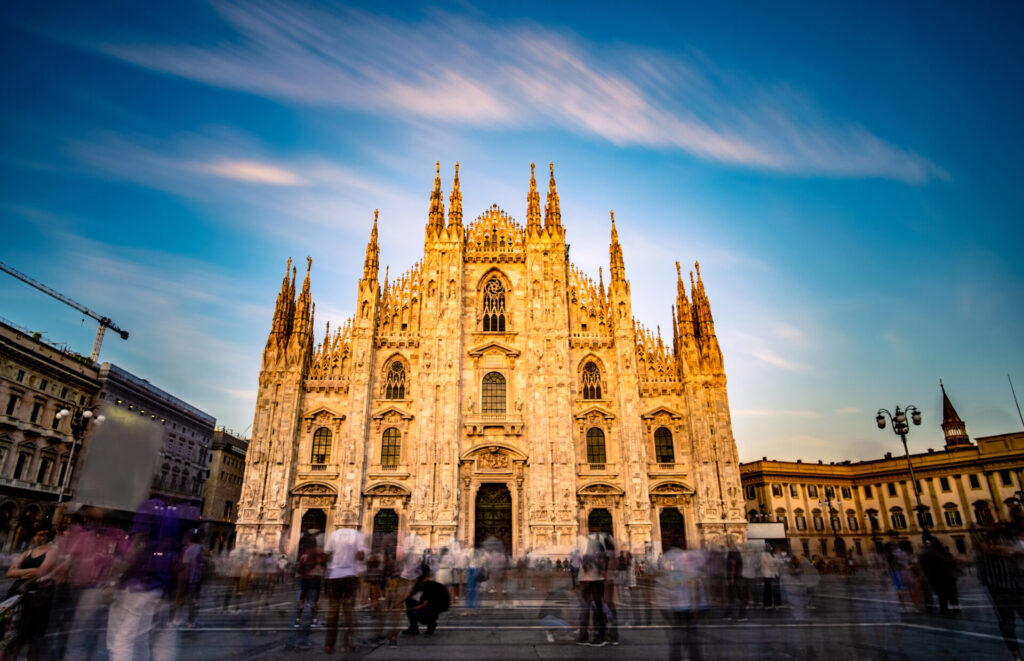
x=126 y=593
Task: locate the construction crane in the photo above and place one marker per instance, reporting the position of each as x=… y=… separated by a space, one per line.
x=105 y=322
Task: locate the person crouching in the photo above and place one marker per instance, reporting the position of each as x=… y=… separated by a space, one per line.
x=425 y=602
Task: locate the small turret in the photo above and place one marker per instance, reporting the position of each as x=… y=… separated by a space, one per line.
x=371 y=263
x=618 y=268
x=533 y=205
x=455 y=207
x=553 y=209
x=435 y=220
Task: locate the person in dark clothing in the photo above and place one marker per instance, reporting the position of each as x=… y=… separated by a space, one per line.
x=735 y=583
x=940 y=569
x=425 y=602
x=1000 y=562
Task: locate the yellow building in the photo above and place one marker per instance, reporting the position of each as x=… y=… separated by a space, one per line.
x=493 y=390
x=963 y=485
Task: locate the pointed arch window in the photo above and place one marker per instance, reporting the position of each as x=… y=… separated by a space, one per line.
x=663 y=450
x=391 y=447
x=492 y=395
x=394 y=381
x=595 y=446
x=321 y=453
x=494 y=306
x=591 y=381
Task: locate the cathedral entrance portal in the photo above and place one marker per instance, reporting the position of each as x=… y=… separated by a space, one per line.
x=314 y=519
x=493 y=515
x=385 y=532
x=600 y=520
x=673 y=532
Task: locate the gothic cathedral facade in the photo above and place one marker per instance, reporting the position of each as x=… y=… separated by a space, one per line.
x=493 y=391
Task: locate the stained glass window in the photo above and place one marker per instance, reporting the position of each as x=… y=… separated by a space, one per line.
x=390 y=447
x=494 y=306
x=595 y=446
x=492 y=398
x=591 y=381
x=394 y=381
x=321 y=446
x=663 y=446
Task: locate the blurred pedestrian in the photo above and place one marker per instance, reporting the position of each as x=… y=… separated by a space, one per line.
x=345 y=549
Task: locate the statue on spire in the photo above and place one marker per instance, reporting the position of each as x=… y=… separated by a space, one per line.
x=372 y=261
x=618 y=268
x=553 y=210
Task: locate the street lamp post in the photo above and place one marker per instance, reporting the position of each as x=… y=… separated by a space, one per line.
x=898 y=420
x=827 y=503
x=79 y=422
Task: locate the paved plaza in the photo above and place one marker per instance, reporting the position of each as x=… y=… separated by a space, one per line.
x=843 y=623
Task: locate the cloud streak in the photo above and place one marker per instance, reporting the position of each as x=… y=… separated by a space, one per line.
x=461 y=71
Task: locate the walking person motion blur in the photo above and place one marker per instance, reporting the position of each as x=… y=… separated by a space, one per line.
x=682 y=597
x=425 y=602
x=345 y=549
x=771 y=565
x=735 y=583
x=593 y=573
x=309 y=572
x=1000 y=559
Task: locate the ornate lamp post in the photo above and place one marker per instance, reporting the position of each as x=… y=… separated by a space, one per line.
x=79 y=422
x=898 y=420
x=827 y=502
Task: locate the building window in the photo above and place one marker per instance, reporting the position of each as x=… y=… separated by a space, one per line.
x=390 y=447
x=595 y=446
x=944 y=483
x=872 y=519
x=924 y=519
x=830 y=493
x=64 y=393
x=836 y=522
x=819 y=522
x=847 y=493
x=493 y=394
x=21 y=376
x=21 y=465
x=321 y=446
x=777 y=491
x=590 y=381
x=857 y=546
x=852 y=523
x=824 y=546
x=974 y=481
x=42 y=384
x=228 y=505
x=42 y=477
x=394 y=382
x=899 y=521
x=982 y=514
x=748 y=492
x=12 y=404
x=63 y=471
x=961 y=546
x=953 y=519
x=36 y=409
x=801 y=522
x=867 y=491
x=807 y=546
x=794 y=491
x=1004 y=477
x=494 y=306
x=663 y=450
x=892 y=489
x=812 y=490
x=780 y=517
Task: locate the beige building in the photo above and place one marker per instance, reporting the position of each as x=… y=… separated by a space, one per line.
x=493 y=390
x=37 y=381
x=963 y=485
x=224 y=487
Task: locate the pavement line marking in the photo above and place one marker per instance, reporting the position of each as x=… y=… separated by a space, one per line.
x=975 y=634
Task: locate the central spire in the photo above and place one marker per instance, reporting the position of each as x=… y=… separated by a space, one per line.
x=618 y=268
x=372 y=261
x=435 y=221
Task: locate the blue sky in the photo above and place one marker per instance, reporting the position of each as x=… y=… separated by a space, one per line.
x=847 y=175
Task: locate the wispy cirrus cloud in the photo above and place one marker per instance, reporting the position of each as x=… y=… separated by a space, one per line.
x=463 y=71
x=777 y=413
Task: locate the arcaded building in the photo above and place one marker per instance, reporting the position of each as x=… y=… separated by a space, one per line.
x=493 y=390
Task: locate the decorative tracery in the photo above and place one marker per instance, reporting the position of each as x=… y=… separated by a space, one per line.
x=590 y=381
x=494 y=306
x=394 y=381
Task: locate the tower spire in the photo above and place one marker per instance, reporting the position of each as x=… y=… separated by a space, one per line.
x=371 y=263
x=435 y=220
x=618 y=268
x=952 y=426
x=553 y=210
x=533 y=204
x=455 y=207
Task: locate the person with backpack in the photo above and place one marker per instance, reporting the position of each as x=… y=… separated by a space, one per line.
x=426 y=601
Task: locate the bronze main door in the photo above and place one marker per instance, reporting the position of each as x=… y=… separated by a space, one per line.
x=493 y=516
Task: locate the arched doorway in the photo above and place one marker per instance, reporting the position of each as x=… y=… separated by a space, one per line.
x=494 y=515
x=673 y=530
x=385 y=532
x=314 y=519
x=600 y=520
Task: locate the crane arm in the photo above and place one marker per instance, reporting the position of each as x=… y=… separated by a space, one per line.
x=104 y=321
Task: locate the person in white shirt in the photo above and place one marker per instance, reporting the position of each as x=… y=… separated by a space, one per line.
x=346 y=550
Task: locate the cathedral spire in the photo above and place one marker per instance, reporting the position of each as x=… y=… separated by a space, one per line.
x=684 y=319
x=553 y=210
x=303 y=306
x=618 y=268
x=533 y=205
x=435 y=221
x=371 y=263
x=455 y=207
x=952 y=426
